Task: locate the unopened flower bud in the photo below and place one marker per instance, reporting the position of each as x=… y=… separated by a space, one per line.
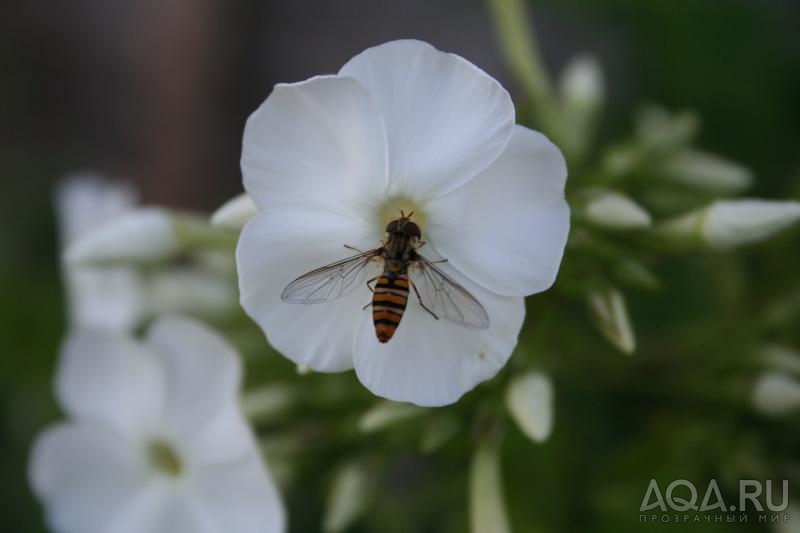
x=707 y=172
x=487 y=503
x=727 y=224
x=776 y=393
x=529 y=399
x=613 y=210
x=610 y=314
x=386 y=413
x=235 y=213
x=349 y=497
x=146 y=235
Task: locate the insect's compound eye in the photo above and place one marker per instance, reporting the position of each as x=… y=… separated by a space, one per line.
x=393 y=227
x=412 y=230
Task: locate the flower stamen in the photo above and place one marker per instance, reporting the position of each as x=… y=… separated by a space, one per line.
x=399 y=205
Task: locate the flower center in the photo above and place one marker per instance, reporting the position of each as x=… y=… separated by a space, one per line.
x=391 y=208
x=164 y=458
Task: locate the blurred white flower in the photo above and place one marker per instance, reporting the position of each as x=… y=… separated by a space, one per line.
x=613 y=210
x=727 y=224
x=155 y=440
x=776 y=393
x=529 y=399
x=331 y=160
x=100 y=298
x=235 y=213
x=793 y=524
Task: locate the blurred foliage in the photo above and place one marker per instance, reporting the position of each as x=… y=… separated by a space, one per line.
x=679 y=408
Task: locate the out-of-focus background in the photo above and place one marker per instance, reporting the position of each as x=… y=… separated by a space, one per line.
x=158 y=92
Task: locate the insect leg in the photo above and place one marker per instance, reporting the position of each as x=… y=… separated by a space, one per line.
x=370 y=281
x=353 y=248
x=419 y=299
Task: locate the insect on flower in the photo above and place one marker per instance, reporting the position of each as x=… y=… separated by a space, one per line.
x=403 y=267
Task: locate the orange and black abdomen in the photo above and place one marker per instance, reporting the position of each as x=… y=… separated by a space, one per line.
x=389 y=303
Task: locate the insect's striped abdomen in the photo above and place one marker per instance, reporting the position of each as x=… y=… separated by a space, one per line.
x=389 y=303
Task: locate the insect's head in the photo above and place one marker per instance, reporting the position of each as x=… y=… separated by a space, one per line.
x=404 y=225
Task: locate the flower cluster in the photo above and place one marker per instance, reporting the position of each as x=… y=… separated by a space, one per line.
x=156 y=438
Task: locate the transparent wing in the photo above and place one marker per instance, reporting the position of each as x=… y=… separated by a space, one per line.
x=445 y=297
x=329 y=282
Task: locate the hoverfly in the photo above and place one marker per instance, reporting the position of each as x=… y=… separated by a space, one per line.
x=403 y=268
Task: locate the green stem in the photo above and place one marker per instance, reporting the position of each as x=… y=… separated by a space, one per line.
x=518 y=43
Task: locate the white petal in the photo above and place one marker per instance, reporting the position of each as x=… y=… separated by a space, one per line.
x=202 y=415
x=238 y=497
x=104 y=298
x=320 y=142
x=85 y=200
x=506 y=229
x=280 y=245
x=446 y=119
x=109 y=379
x=235 y=213
x=529 y=399
x=86 y=477
x=432 y=362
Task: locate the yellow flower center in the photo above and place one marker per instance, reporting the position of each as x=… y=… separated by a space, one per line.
x=391 y=208
x=165 y=459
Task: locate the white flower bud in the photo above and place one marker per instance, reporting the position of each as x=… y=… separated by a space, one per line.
x=529 y=399
x=268 y=401
x=190 y=291
x=793 y=524
x=776 y=393
x=730 y=223
x=386 y=413
x=141 y=235
x=613 y=210
x=610 y=313
x=349 y=497
x=708 y=172
x=147 y=235
x=487 y=504
x=582 y=83
x=727 y=224
x=781 y=358
x=582 y=92
x=235 y=213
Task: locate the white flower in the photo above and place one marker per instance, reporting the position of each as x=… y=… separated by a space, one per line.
x=155 y=442
x=331 y=160
x=102 y=298
x=529 y=399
